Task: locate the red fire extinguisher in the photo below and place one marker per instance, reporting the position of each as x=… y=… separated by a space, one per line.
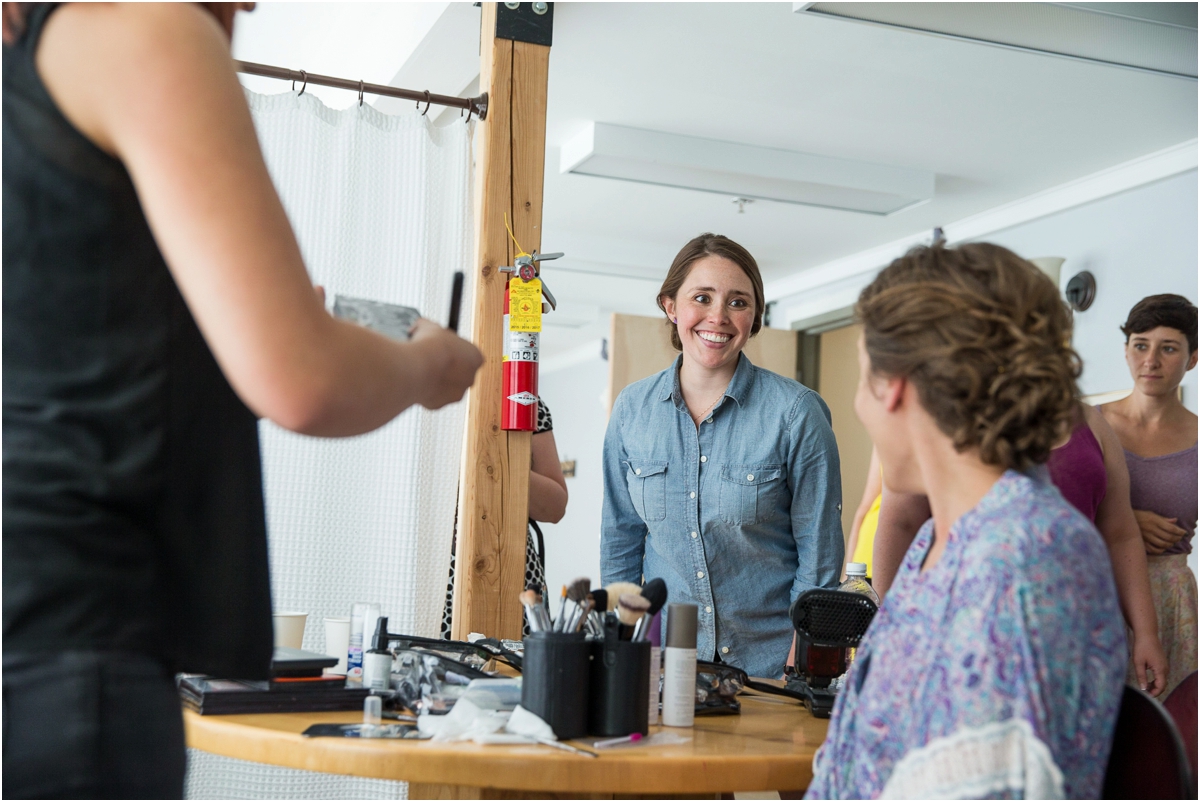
x=522 y=334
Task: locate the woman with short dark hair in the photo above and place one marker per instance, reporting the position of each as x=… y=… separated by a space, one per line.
x=994 y=667
x=720 y=477
x=1158 y=434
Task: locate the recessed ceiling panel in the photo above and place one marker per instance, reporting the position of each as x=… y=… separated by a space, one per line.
x=1151 y=36
x=747 y=171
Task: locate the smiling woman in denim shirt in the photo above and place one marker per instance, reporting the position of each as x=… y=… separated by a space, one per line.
x=720 y=477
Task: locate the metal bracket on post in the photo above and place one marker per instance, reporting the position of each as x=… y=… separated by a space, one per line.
x=525 y=22
x=529 y=267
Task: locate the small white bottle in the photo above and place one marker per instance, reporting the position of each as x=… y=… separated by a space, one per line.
x=377 y=663
x=679 y=666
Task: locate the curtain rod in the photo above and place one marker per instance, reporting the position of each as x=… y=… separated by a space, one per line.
x=472 y=105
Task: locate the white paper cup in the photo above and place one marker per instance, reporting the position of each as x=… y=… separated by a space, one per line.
x=337 y=642
x=289 y=629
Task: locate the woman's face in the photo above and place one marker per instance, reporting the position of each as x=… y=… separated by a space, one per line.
x=1158 y=359
x=877 y=404
x=713 y=312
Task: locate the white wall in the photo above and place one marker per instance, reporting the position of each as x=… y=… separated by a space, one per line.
x=575 y=397
x=1138 y=243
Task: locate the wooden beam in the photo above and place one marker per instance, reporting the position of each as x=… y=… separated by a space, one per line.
x=494 y=489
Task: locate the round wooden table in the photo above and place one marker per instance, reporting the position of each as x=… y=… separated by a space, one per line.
x=769 y=747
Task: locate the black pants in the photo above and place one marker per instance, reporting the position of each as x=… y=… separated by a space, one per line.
x=86 y=724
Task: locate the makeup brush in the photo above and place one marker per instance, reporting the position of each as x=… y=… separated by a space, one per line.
x=617 y=588
x=533 y=605
x=577 y=592
x=595 y=622
x=562 y=611
x=655 y=592
x=630 y=610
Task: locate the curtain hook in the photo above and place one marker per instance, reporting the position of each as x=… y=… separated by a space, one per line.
x=360 y=91
x=470 y=110
x=426 y=103
x=304 y=76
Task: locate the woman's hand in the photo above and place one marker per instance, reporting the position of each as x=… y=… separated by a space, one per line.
x=456 y=362
x=1150 y=663
x=1158 y=533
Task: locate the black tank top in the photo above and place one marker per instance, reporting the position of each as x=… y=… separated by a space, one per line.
x=133 y=509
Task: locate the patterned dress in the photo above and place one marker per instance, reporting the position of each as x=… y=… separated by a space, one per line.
x=535 y=548
x=996 y=674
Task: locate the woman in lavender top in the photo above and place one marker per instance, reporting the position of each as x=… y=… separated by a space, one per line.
x=1159 y=437
x=994 y=668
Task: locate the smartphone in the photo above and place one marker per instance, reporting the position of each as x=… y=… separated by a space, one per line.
x=391 y=320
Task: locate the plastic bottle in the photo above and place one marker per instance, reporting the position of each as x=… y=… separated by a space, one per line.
x=377 y=663
x=856 y=582
x=679 y=666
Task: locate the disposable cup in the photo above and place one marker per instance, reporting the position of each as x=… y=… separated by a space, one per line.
x=289 y=629
x=337 y=642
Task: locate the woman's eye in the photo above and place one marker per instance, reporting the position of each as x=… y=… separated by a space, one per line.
x=701 y=299
x=738 y=303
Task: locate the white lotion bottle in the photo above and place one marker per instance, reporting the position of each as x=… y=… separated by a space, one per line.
x=679 y=666
x=377 y=663
x=655 y=683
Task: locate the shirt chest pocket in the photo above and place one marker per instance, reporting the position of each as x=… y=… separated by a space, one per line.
x=648 y=488
x=750 y=493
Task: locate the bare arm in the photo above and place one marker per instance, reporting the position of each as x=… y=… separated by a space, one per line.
x=1115 y=520
x=547 y=485
x=901 y=516
x=873 y=488
x=154 y=85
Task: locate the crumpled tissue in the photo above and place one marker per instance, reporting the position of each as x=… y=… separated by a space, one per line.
x=469 y=722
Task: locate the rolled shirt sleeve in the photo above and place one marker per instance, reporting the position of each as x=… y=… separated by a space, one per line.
x=815 y=481
x=622 y=531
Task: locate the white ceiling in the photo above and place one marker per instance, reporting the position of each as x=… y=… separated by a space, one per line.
x=994 y=125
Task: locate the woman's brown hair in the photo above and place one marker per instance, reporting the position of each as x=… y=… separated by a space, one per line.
x=698 y=248
x=1172 y=311
x=984 y=337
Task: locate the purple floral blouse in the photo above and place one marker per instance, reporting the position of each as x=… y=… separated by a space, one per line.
x=996 y=674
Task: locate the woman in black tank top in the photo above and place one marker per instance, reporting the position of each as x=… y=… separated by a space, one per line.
x=138 y=356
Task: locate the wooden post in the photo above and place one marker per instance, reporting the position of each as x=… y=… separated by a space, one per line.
x=494 y=488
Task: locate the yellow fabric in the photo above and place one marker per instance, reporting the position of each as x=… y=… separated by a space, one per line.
x=866 y=535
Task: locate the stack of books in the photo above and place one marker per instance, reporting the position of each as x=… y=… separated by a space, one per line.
x=298 y=684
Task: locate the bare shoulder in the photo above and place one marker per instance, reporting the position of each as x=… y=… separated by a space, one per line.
x=103 y=62
x=1109 y=441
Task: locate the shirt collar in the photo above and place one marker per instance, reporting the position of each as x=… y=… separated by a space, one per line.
x=738 y=389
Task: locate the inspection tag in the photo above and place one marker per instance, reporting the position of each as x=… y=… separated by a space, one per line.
x=525 y=305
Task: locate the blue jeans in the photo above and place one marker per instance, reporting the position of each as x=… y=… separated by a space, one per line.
x=91 y=724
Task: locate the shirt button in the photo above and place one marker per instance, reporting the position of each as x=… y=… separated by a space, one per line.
x=637 y=471
x=703 y=458
x=724 y=650
x=694 y=535
x=708 y=609
x=700 y=575
x=749 y=477
x=691 y=495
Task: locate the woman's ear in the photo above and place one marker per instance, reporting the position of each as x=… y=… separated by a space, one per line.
x=669 y=308
x=895 y=393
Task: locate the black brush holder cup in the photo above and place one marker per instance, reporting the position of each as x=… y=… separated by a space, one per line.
x=554 y=681
x=620 y=688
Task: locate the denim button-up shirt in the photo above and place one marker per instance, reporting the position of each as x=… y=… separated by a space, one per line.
x=738 y=516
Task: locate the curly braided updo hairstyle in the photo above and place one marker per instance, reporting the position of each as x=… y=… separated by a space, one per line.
x=984 y=337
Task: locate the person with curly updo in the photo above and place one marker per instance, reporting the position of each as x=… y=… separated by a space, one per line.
x=1159 y=438
x=995 y=666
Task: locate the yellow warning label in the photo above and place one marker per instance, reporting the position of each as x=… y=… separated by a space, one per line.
x=525 y=305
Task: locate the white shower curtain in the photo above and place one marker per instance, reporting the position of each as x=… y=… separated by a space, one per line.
x=382 y=210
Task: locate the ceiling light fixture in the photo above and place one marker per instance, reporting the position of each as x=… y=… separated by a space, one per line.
x=746 y=171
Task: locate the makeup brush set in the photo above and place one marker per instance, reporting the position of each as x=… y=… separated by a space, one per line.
x=623 y=606
x=589 y=671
